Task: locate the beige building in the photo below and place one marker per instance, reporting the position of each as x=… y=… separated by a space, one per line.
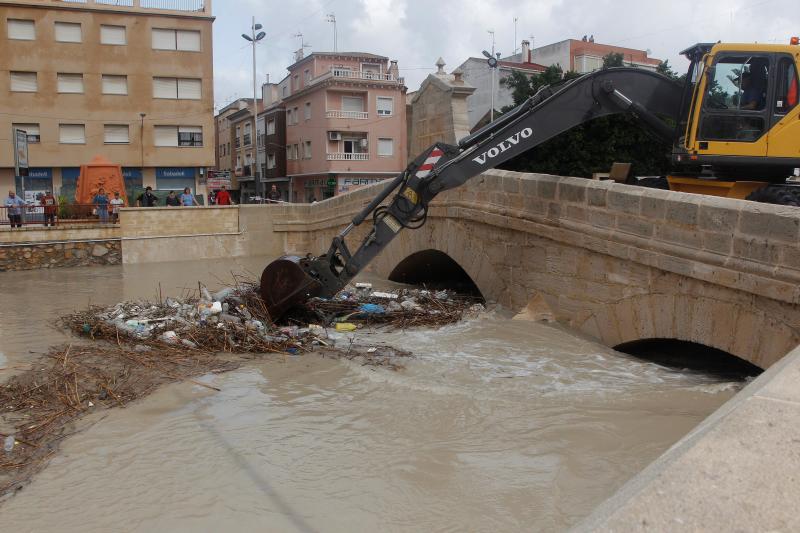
x=131 y=83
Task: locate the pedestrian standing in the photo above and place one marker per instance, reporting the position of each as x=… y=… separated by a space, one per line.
x=116 y=203
x=172 y=200
x=101 y=205
x=223 y=196
x=187 y=198
x=274 y=195
x=50 y=205
x=14 y=206
x=147 y=198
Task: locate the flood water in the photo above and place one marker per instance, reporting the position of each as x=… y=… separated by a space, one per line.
x=495 y=425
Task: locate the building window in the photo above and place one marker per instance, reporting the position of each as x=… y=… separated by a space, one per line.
x=116 y=134
x=270 y=160
x=296 y=151
x=70 y=83
x=248 y=128
x=296 y=115
x=113 y=35
x=289 y=116
x=177 y=88
x=24 y=82
x=72 y=134
x=295 y=83
x=353 y=104
x=307 y=74
x=385 y=106
x=113 y=84
x=190 y=136
x=271 y=127
x=68 y=32
x=308 y=111
x=284 y=91
x=307 y=150
x=168 y=39
x=385 y=147
x=178 y=135
x=32 y=130
x=23 y=30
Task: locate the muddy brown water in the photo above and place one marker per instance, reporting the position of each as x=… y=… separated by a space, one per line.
x=496 y=425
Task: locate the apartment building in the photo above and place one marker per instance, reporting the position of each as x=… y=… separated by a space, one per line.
x=345 y=123
x=586 y=55
x=243 y=149
x=476 y=73
x=128 y=80
x=226 y=148
x=271 y=141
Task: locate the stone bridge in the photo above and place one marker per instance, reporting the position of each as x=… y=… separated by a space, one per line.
x=616 y=262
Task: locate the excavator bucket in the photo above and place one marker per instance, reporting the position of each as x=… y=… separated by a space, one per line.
x=284 y=284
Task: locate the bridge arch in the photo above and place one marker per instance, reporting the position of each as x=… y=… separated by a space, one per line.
x=745 y=332
x=446 y=242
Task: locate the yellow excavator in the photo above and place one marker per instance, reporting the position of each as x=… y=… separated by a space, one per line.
x=734 y=125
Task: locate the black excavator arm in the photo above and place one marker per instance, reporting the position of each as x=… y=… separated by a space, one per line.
x=647 y=95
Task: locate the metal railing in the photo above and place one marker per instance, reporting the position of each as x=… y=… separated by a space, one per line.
x=335 y=113
x=360 y=74
x=196 y=6
x=34 y=215
x=347 y=156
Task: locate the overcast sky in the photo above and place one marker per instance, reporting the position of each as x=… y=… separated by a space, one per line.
x=417 y=32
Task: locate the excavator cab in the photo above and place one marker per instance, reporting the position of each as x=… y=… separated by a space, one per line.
x=739 y=115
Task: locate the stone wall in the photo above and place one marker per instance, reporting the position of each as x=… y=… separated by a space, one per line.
x=617 y=262
x=59 y=254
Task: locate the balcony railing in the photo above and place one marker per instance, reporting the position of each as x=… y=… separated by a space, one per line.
x=195 y=6
x=360 y=74
x=347 y=156
x=346 y=114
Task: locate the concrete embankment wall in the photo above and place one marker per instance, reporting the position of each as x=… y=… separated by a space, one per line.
x=30 y=248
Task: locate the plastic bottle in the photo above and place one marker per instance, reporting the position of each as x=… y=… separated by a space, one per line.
x=8 y=444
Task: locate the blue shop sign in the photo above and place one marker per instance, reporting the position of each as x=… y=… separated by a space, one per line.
x=40 y=173
x=176 y=172
x=131 y=173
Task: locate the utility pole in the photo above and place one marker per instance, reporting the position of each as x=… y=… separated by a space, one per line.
x=332 y=19
x=254 y=39
x=515 y=35
x=141 y=140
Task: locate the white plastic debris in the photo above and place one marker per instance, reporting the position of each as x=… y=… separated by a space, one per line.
x=170 y=337
x=366 y=286
x=387 y=295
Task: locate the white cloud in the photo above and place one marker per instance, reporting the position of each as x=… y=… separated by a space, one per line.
x=417 y=32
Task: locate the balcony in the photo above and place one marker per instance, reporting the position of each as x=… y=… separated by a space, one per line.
x=347 y=114
x=184 y=6
x=349 y=74
x=347 y=156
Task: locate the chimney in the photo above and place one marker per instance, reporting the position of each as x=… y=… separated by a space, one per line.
x=298 y=55
x=526 y=52
x=458 y=77
x=393 y=70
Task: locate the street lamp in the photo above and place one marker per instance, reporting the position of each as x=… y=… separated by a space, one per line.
x=492 y=61
x=254 y=38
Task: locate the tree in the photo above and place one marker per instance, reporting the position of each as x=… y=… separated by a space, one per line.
x=594 y=146
x=666 y=69
x=523 y=86
x=613 y=59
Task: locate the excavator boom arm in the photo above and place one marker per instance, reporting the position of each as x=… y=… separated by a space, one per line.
x=553 y=110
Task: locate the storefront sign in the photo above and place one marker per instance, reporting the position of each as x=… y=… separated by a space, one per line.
x=20 y=150
x=175 y=172
x=352 y=184
x=131 y=173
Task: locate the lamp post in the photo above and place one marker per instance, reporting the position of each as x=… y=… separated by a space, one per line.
x=254 y=38
x=491 y=60
x=332 y=19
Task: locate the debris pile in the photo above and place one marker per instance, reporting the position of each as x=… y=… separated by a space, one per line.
x=146 y=344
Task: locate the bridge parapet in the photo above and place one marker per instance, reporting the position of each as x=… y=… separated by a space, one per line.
x=617 y=262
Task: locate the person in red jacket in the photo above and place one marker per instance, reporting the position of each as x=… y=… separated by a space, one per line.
x=223 y=197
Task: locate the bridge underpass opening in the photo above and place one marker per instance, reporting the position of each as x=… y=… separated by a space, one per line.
x=434 y=270
x=691 y=356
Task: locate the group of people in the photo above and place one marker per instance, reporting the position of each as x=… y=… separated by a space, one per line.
x=102 y=203
x=185 y=199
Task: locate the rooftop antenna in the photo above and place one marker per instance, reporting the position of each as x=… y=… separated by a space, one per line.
x=332 y=19
x=515 y=35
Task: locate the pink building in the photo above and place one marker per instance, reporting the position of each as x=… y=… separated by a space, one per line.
x=345 y=123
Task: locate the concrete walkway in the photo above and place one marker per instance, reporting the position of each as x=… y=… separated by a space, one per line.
x=737 y=471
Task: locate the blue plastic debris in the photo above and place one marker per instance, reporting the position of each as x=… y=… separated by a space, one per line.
x=372 y=309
